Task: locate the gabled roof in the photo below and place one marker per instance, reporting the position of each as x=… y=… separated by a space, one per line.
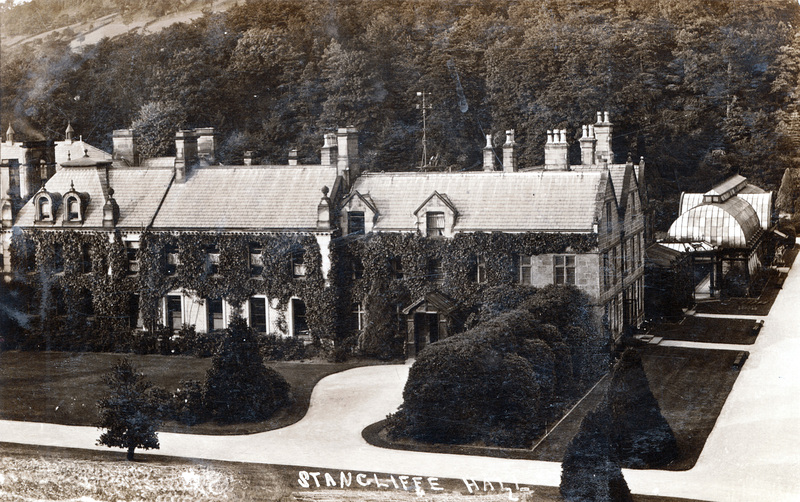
x=442 y=197
x=542 y=201
x=367 y=200
x=439 y=301
x=246 y=197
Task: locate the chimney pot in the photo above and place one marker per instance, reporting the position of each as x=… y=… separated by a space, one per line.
x=293 y=157
x=248 y=158
x=488 y=154
x=605 y=118
x=599 y=117
x=509 y=159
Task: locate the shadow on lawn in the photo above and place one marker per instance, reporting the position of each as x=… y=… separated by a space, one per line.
x=690 y=385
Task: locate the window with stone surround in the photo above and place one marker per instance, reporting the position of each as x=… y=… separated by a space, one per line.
x=564 y=269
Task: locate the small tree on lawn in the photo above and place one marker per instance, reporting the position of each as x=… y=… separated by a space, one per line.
x=238 y=387
x=129 y=414
x=642 y=436
x=590 y=471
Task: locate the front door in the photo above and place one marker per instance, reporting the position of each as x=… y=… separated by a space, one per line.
x=426 y=329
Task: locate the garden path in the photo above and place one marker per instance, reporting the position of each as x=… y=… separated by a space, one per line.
x=753 y=453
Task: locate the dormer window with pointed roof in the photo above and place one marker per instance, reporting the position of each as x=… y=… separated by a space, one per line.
x=438 y=215
x=74 y=205
x=46 y=205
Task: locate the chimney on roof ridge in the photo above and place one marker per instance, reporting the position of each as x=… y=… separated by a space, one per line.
x=185 y=153
x=329 y=150
x=347 y=155
x=206 y=144
x=69 y=132
x=488 y=154
x=10 y=134
x=556 y=150
x=293 y=157
x=509 y=159
x=248 y=158
x=125 y=147
x=588 y=145
x=603 y=131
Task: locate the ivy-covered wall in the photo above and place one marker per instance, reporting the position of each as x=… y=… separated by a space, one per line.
x=76 y=275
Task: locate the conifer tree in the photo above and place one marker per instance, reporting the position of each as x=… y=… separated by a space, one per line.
x=129 y=414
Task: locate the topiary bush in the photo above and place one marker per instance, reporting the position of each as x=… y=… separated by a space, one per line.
x=641 y=434
x=238 y=387
x=590 y=471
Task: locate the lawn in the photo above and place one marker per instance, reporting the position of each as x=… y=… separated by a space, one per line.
x=45 y=474
x=691 y=386
x=705 y=329
x=64 y=387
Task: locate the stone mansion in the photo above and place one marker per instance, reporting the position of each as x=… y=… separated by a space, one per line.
x=182 y=240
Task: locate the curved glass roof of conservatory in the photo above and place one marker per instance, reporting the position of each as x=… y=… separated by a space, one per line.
x=732 y=224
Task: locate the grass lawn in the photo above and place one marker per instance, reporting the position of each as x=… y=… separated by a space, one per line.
x=705 y=329
x=691 y=385
x=49 y=474
x=64 y=387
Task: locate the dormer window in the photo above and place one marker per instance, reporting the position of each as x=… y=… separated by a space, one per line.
x=435 y=224
x=73 y=209
x=355 y=222
x=45 y=209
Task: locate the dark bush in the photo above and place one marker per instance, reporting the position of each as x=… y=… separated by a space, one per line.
x=490 y=384
x=590 y=471
x=282 y=348
x=189 y=342
x=187 y=405
x=238 y=387
x=642 y=436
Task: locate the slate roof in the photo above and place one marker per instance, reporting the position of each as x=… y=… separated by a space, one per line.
x=546 y=201
x=246 y=197
x=71 y=150
x=137 y=192
x=616 y=171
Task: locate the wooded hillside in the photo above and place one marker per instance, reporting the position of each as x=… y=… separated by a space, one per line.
x=701 y=88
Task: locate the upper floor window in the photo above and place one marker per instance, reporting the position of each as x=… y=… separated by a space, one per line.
x=480 y=271
x=435 y=224
x=171 y=259
x=132 y=250
x=606 y=271
x=609 y=222
x=355 y=222
x=614 y=265
x=435 y=271
x=212 y=260
x=58 y=258
x=298 y=264
x=564 y=269
x=524 y=268
x=256 y=252
x=396 y=265
x=86 y=259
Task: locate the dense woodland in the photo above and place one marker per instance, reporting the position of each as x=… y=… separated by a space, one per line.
x=701 y=88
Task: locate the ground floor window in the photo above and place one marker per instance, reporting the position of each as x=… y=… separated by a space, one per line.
x=358 y=314
x=258 y=314
x=215 y=318
x=174 y=313
x=299 y=324
x=564 y=269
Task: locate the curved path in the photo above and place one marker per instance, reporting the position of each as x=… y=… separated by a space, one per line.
x=753 y=453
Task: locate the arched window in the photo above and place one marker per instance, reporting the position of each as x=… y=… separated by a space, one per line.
x=74 y=209
x=45 y=209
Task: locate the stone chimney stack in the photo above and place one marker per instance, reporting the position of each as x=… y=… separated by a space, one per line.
x=509 y=159
x=328 y=154
x=488 y=154
x=556 y=151
x=588 y=145
x=347 y=155
x=69 y=133
x=125 y=146
x=293 y=157
x=185 y=153
x=206 y=144
x=603 y=131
